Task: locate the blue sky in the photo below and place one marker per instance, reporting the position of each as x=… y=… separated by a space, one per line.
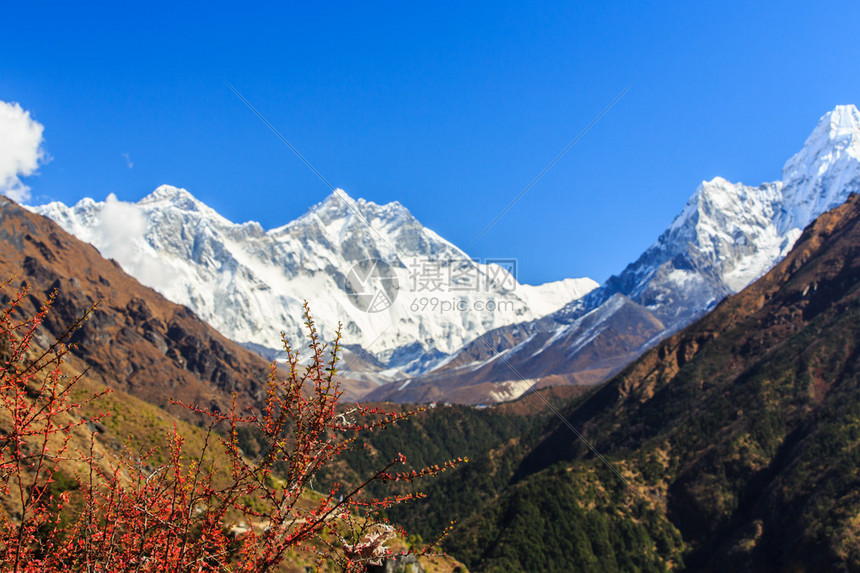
x=450 y=109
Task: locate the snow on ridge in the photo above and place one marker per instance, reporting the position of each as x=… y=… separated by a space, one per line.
x=510 y=390
x=821 y=175
x=729 y=234
x=250 y=283
x=549 y=297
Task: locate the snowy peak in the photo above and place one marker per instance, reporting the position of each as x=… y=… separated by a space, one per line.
x=168 y=193
x=250 y=283
x=726 y=236
x=342 y=211
x=339 y=204
x=823 y=174
x=729 y=234
x=362 y=229
x=835 y=140
x=175 y=197
x=839 y=126
x=740 y=231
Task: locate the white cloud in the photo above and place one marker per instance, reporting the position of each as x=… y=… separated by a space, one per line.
x=128 y=160
x=120 y=235
x=21 y=150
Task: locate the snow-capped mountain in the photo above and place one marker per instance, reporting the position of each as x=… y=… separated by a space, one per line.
x=727 y=236
x=504 y=363
x=403 y=293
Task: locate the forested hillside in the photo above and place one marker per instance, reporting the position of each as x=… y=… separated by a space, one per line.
x=735 y=443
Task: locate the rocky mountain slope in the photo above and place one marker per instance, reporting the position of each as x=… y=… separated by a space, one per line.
x=147 y=350
x=735 y=442
x=136 y=340
x=727 y=235
x=544 y=354
x=424 y=300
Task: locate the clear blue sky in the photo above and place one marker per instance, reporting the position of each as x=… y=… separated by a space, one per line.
x=450 y=109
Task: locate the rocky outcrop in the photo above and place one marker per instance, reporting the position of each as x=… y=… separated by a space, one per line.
x=399 y=564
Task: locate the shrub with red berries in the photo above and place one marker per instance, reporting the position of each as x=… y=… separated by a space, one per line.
x=187 y=513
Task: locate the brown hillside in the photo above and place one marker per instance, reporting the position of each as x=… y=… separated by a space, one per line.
x=136 y=340
x=745 y=424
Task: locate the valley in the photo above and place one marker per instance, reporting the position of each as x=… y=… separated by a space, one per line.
x=697 y=411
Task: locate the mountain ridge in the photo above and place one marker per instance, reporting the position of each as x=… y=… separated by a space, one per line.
x=734 y=441
x=777 y=360
x=135 y=340
x=249 y=282
x=716 y=231
x=726 y=236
